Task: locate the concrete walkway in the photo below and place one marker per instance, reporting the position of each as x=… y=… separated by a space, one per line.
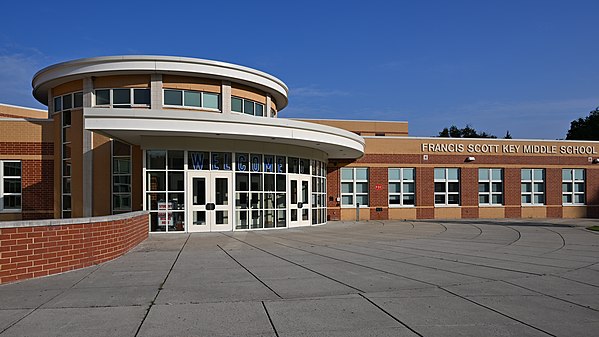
x=449 y=278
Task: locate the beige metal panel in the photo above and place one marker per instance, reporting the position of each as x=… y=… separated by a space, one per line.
x=574 y=211
x=65 y=88
x=406 y=213
x=349 y=214
x=491 y=212
x=448 y=212
x=534 y=212
x=191 y=83
x=102 y=175
x=366 y=127
x=127 y=81
x=244 y=91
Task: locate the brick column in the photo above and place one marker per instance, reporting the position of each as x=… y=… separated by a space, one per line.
x=333 y=186
x=592 y=191
x=378 y=197
x=511 y=193
x=469 y=192
x=425 y=193
x=553 y=192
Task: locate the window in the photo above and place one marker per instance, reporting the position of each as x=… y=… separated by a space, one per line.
x=533 y=186
x=122 y=98
x=573 y=190
x=192 y=99
x=402 y=187
x=10 y=185
x=447 y=186
x=247 y=106
x=354 y=187
x=66 y=164
x=490 y=186
x=121 y=177
x=68 y=101
x=165 y=190
x=319 y=192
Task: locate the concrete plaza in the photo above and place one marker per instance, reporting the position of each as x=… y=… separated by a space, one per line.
x=391 y=278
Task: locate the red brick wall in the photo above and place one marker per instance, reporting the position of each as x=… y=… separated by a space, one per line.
x=378 y=198
x=512 y=192
x=28 y=252
x=333 y=192
x=37 y=184
x=553 y=192
x=469 y=192
x=425 y=193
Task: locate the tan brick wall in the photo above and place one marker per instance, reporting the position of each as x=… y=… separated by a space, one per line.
x=191 y=83
x=122 y=81
x=29 y=252
x=243 y=91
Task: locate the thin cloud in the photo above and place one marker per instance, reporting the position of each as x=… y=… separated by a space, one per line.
x=17 y=67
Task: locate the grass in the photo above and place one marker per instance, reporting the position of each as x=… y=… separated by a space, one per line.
x=593 y=228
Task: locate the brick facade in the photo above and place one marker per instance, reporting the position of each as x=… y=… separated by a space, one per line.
x=28 y=252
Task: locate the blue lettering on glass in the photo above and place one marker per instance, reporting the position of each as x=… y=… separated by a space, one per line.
x=240 y=165
x=280 y=165
x=215 y=163
x=255 y=164
x=197 y=160
x=226 y=165
x=268 y=166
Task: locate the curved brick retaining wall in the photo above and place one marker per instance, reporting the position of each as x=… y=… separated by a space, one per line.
x=31 y=249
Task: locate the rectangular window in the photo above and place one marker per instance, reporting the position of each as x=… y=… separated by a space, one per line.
x=447 y=186
x=533 y=186
x=573 y=186
x=141 y=96
x=354 y=187
x=68 y=101
x=248 y=107
x=236 y=104
x=103 y=97
x=121 y=177
x=173 y=97
x=490 y=186
x=121 y=97
x=402 y=187
x=10 y=185
x=211 y=101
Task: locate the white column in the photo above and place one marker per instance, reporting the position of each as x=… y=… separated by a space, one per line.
x=156 y=91
x=88 y=158
x=225 y=94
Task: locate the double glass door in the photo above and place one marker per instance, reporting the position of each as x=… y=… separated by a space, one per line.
x=299 y=203
x=210 y=202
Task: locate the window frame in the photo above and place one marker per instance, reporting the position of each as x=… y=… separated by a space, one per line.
x=489 y=182
x=446 y=193
x=131 y=104
x=354 y=183
x=401 y=183
x=113 y=175
x=193 y=107
x=3 y=193
x=255 y=104
x=572 y=182
x=532 y=181
x=62 y=97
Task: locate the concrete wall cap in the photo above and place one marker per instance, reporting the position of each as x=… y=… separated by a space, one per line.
x=73 y=221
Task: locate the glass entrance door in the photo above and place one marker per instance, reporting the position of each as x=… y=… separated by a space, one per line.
x=210 y=202
x=299 y=203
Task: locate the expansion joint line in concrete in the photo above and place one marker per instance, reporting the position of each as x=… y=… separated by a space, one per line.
x=296 y=264
x=551 y=296
x=53 y=297
x=390 y=315
x=161 y=286
x=272 y=324
x=497 y=312
x=254 y=275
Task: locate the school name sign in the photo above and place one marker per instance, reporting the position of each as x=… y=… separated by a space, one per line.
x=486 y=148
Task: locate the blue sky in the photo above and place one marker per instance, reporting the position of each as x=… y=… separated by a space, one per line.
x=529 y=67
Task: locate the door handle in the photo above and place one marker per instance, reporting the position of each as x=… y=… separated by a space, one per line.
x=210 y=206
x=300 y=205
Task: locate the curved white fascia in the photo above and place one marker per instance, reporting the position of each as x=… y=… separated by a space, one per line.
x=131 y=124
x=53 y=75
